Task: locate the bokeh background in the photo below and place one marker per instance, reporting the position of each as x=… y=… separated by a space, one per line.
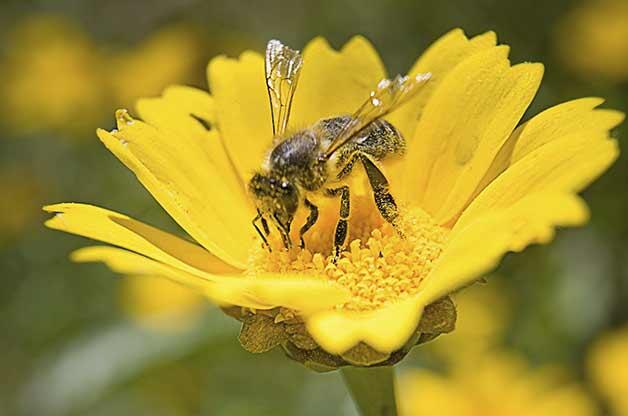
x=548 y=333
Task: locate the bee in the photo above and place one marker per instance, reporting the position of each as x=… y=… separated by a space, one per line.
x=317 y=159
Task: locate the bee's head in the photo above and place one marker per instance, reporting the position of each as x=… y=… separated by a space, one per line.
x=275 y=197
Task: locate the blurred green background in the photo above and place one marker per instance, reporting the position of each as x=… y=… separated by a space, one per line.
x=78 y=340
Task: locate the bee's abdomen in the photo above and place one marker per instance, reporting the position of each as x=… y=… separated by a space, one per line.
x=378 y=141
x=381 y=139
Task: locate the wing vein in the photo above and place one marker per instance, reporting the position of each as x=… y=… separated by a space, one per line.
x=387 y=96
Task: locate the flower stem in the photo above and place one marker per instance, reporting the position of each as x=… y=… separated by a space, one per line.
x=372 y=389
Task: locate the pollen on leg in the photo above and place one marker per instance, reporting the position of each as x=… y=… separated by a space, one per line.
x=378 y=266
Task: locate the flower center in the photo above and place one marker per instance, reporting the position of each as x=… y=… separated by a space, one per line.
x=378 y=266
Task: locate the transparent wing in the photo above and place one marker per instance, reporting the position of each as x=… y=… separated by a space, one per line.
x=283 y=66
x=388 y=95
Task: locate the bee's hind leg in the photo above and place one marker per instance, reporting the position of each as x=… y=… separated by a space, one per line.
x=383 y=199
x=343 y=226
x=311 y=220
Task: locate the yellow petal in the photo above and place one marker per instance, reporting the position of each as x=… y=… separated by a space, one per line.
x=242 y=109
x=446 y=53
x=304 y=295
x=173 y=114
x=479 y=246
x=165 y=198
x=120 y=230
x=554 y=123
x=439 y=59
x=385 y=330
x=450 y=155
x=193 y=100
x=334 y=83
x=571 y=117
x=565 y=165
x=178 y=174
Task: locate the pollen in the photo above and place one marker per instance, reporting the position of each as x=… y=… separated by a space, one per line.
x=378 y=265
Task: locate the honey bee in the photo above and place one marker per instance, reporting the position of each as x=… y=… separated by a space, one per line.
x=317 y=159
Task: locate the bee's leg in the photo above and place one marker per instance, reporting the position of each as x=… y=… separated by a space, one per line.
x=284 y=230
x=342 y=227
x=383 y=199
x=348 y=167
x=311 y=220
x=287 y=242
x=265 y=226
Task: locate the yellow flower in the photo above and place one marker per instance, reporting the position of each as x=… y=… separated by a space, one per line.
x=51 y=78
x=592 y=39
x=471 y=187
x=496 y=384
x=160 y=304
x=171 y=55
x=608 y=368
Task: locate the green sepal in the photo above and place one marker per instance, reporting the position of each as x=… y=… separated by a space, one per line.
x=259 y=333
x=298 y=335
x=317 y=359
x=363 y=355
x=438 y=318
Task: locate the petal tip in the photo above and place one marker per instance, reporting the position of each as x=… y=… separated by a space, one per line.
x=60 y=207
x=50 y=208
x=123 y=118
x=358 y=41
x=489 y=34
x=318 y=43
x=458 y=31
x=81 y=255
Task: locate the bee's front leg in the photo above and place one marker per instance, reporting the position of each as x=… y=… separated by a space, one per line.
x=265 y=226
x=259 y=217
x=342 y=227
x=311 y=220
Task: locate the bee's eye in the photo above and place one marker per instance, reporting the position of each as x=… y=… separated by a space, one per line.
x=285 y=185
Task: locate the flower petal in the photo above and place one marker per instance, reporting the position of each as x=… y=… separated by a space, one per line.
x=449 y=156
x=386 y=330
x=242 y=109
x=334 y=83
x=193 y=101
x=177 y=114
x=439 y=59
x=304 y=295
x=479 y=246
x=180 y=178
x=118 y=229
x=133 y=264
x=552 y=124
x=567 y=164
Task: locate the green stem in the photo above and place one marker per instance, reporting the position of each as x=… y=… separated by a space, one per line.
x=372 y=389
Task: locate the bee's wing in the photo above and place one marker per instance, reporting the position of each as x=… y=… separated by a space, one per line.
x=282 y=73
x=388 y=95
